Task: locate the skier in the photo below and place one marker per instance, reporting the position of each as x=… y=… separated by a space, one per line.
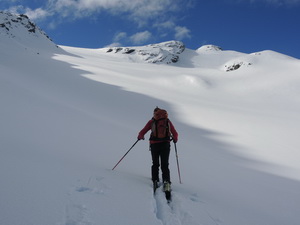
x=162 y=132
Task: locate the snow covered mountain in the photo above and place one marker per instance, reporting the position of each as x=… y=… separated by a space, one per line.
x=69 y=114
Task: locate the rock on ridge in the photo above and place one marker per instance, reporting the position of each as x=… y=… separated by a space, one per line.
x=161 y=53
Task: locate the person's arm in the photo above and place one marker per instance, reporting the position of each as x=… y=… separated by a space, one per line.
x=145 y=130
x=173 y=132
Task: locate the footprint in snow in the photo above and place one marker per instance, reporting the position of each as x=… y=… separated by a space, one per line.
x=93 y=186
x=195 y=198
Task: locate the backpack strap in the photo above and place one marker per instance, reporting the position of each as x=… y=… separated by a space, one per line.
x=167 y=128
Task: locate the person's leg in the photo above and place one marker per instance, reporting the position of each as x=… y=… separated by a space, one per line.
x=155 y=162
x=164 y=155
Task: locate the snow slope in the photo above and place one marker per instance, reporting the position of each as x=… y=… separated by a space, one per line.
x=69 y=114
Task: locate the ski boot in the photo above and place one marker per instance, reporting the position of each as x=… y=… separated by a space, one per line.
x=155 y=185
x=167 y=190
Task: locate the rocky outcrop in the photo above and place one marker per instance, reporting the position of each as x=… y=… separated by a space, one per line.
x=22 y=31
x=231 y=66
x=162 y=53
x=11 y=22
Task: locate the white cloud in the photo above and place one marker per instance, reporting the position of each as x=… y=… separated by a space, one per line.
x=119 y=36
x=36 y=14
x=165 y=25
x=115 y=44
x=140 y=37
x=138 y=10
x=137 y=38
x=182 y=33
x=52 y=25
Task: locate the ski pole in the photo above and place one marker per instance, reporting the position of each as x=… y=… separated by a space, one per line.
x=177 y=163
x=125 y=154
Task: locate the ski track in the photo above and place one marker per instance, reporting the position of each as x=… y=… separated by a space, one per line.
x=171 y=213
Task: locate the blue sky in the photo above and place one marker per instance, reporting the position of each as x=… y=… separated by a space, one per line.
x=241 y=25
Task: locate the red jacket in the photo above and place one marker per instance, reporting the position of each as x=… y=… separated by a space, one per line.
x=148 y=127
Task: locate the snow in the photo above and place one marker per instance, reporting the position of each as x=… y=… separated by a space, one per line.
x=69 y=114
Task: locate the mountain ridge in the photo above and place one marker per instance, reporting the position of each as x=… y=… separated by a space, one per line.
x=23 y=32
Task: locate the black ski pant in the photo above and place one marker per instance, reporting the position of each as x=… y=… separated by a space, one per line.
x=160 y=154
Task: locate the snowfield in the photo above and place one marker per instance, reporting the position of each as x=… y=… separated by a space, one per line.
x=69 y=114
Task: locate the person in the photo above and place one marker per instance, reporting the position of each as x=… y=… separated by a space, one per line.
x=160 y=146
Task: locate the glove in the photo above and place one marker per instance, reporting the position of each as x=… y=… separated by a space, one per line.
x=140 y=137
x=175 y=140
